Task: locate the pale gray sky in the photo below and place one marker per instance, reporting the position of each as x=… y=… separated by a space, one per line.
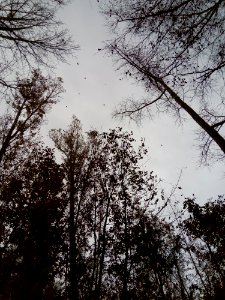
x=93 y=89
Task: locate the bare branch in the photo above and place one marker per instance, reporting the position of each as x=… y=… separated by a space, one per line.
x=218 y=124
x=176 y=47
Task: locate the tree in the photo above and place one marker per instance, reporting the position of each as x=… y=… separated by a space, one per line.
x=74 y=150
x=31 y=228
x=121 y=187
x=105 y=191
x=30 y=37
x=120 y=200
x=205 y=227
x=176 y=50
x=31 y=34
x=26 y=109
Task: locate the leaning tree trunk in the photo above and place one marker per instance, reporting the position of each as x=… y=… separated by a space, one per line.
x=161 y=84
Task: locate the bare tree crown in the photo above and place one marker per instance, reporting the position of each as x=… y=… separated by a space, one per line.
x=177 y=50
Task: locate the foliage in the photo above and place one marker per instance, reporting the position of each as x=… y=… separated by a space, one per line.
x=26 y=109
x=31 y=231
x=205 y=227
x=87 y=228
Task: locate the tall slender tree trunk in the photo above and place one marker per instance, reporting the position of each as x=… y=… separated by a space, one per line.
x=95 y=256
x=73 y=280
x=102 y=258
x=126 y=241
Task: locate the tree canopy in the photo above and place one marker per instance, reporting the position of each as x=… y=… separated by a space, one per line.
x=95 y=224
x=26 y=108
x=98 y=226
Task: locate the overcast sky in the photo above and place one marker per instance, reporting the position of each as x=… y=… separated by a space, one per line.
x=93 y=89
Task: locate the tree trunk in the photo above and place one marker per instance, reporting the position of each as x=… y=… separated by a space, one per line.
x=216 y=137
x=125 y=275
x=73 y=287
x=102 y=258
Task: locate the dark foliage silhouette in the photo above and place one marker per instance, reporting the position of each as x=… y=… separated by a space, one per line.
x=97 y=226
x=31 y=232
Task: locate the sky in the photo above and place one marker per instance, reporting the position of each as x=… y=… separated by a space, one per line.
x=94 y=89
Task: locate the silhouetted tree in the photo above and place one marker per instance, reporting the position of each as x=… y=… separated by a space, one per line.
x=122 y=188
x=176 y=50
x=105 y=188
x=74 y=150
x=31 y=230
x=121 y=196
x=205 y=228
x=25 y=112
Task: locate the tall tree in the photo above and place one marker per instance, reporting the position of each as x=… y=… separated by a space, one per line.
x=31 y=229
x=74 y=150
x=105 y=190
x=176 y=50
x=119 y=191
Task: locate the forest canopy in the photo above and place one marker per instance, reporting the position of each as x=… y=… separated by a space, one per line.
x=95 y=223
x=96 y=226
